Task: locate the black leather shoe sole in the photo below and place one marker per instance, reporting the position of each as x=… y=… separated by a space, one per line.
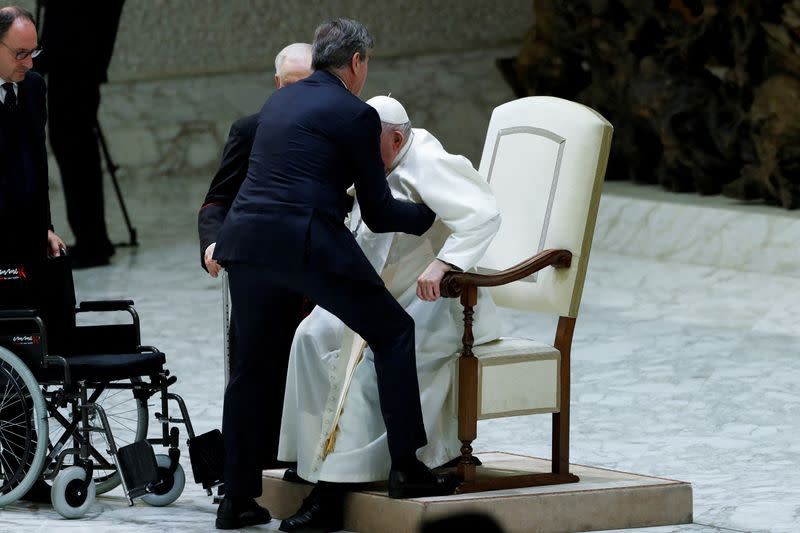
x=310 y=529
x=237 y=523
x=310 y=518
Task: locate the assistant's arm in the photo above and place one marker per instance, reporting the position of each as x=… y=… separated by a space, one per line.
x=379 y=209
x=225 y=185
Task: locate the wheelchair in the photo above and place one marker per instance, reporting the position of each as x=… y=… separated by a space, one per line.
x=76 y=417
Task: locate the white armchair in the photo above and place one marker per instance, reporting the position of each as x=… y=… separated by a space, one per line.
x=545 y=159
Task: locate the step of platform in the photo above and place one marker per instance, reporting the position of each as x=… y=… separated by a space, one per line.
x=649 y=223
x=602 y=499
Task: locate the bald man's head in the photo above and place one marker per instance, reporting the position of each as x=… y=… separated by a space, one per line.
x=18 y=43
x=292 y=64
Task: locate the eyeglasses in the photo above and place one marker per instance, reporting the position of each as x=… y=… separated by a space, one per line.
x=19 y=55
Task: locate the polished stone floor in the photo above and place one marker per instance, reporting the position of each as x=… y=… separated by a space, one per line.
x=684 y=366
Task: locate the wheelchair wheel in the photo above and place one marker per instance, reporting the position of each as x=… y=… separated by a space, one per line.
x=172 y=485
x=69 y=498
x=23 y=428
x=128 y=420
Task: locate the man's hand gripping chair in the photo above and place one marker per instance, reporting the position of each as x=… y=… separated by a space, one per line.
x=545 y=159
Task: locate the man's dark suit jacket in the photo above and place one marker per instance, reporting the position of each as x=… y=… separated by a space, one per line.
x=226 y=182
x=314 y=139
x=24 y=198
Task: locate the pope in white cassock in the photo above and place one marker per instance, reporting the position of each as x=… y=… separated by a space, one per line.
x=332 y=424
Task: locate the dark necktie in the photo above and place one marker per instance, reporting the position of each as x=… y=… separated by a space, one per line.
x=11 y=96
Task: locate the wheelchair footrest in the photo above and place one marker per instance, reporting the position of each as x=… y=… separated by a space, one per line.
x=138 y=467
x=207 y=454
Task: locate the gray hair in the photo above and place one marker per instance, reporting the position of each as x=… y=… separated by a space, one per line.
x=299 y=52
x=8 y=15
x=337 y=40
x=405 y=129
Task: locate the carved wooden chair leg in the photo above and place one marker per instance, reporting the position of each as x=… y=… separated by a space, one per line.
x=467 y=390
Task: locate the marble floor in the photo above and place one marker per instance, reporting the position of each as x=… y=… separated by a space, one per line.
x=680 y=370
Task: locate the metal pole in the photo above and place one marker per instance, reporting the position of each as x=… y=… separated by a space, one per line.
x=226 y=325
x=112 y=171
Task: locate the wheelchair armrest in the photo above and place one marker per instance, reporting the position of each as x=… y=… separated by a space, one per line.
x=18 y=313
x=104 y=305
x=59 y=361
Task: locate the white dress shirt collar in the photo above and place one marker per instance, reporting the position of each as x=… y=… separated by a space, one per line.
x=340 y=79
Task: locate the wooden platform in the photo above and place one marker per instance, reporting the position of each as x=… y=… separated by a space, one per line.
x=603 y=499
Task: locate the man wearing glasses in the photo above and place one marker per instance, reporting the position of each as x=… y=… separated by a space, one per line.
x=26 y=235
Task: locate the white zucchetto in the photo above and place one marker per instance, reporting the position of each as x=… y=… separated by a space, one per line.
x=390 y=110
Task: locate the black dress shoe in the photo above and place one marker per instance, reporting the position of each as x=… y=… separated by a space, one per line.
x=235 y=513
x=292 y=475
x=419 y=481
x=38 y=493
x=313 y=515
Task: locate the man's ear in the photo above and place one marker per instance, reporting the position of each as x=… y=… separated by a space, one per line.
x=355 y=60
x=277 y=81
x=397 y=139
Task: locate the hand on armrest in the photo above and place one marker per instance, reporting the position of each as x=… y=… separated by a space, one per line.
x=429 y=281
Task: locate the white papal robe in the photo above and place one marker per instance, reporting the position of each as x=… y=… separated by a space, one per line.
x=467 y=220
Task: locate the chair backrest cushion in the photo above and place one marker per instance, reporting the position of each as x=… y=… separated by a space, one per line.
x=545 y=159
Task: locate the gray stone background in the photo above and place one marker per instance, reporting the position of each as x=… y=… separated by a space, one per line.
x=184 y=70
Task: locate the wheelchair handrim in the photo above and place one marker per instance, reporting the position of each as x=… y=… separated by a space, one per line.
x=14 y=369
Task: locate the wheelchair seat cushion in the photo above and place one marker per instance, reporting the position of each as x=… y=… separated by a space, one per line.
x=108 y=367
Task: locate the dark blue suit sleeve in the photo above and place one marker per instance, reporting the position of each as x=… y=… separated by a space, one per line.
x=227 y=181
x=380 y=210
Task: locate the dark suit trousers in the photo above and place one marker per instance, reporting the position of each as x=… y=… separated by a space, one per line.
x=73 y=103
x=258 y=296
x=269 y=419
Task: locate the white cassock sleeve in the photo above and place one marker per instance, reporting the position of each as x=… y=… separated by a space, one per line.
x=462 y=199
x=465 y=248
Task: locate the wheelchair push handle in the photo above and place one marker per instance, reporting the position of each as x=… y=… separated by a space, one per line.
x=11 y=314
x=105 y=305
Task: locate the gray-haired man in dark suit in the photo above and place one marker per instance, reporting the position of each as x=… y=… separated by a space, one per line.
x=286 y=234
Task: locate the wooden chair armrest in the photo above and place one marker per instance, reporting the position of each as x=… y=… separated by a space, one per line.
x=453 y=283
